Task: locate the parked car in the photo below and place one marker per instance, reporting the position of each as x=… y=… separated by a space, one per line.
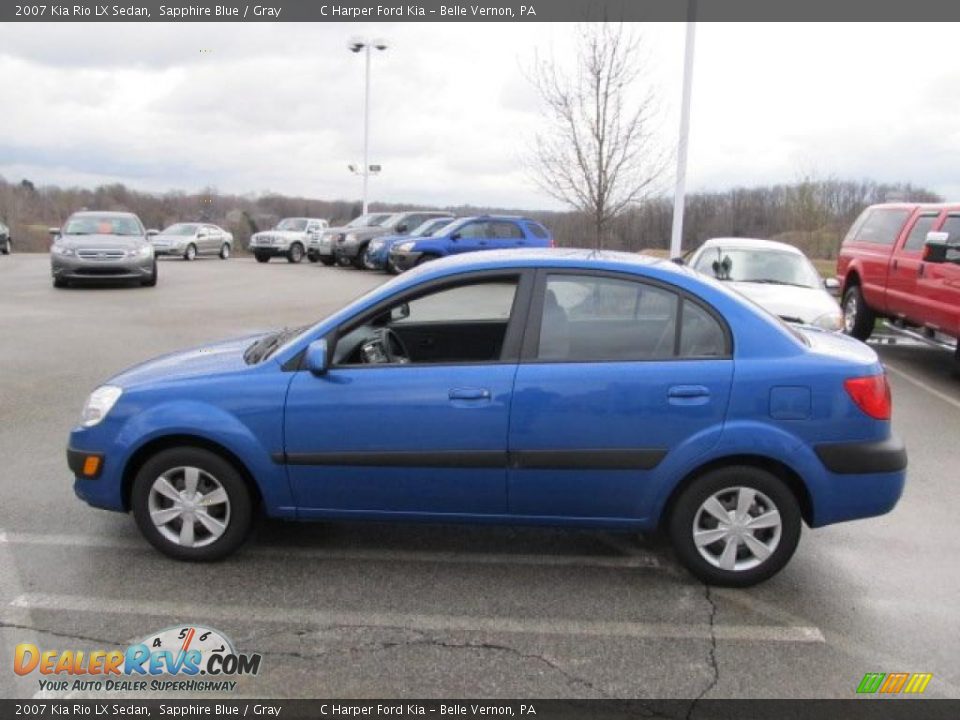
x=188 y=240
x=102 y=246
x=567 y=387
x=289 y=239
x=776 y=276
x=902 y=262
x=377 y=256
x=350 y=247
x=485 y=232
x=6 y=242
x=322 y=247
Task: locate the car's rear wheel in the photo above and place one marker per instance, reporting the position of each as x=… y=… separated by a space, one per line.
x=190 y=253
x=295 y=254
x=327 y=260
x=191 y=504
x=858 y=318
x=313 y=257
x=735 y=526
x=152 y=280
x=262 y=257
x=225 y=251
x=343 y=261
x=7 y=247
x=358 y=260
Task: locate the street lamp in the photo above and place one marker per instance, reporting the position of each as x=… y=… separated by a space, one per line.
x=356 y=45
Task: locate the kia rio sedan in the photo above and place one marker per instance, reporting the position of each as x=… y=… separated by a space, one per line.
x=552 y=387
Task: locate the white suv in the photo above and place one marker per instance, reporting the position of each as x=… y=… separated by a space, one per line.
x=290 y=239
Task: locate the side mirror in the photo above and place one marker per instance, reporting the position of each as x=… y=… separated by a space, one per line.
x=832 y=285
x=936 y=246
x=400 y=312
x=455 y=236
x=200 y=234
x=317 y=357
x=54 y=231
x=151 y=233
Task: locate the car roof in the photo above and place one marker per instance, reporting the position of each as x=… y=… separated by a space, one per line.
x=751 y=244
x=916 y=205
x=104 y=213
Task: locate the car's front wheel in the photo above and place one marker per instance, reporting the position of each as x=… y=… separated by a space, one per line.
x=191 y=504
x=225 y=251
x=190 y=253
x=295 y=255
x=858 y=318
x=735 y=526
x=151 y=281
x=262 y=257
x=7 y=247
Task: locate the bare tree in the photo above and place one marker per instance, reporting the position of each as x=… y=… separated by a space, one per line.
x=597 y=152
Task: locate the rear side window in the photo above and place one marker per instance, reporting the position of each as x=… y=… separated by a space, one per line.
x=882 y=226
x=597 y=319
x=505 y=230
x=537 y=230
x=951 y=226
x=918 y=233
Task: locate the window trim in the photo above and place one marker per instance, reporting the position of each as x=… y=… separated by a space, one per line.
x=531 y=337
x=512 y=339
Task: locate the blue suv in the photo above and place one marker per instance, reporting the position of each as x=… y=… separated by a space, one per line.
x=486 y=232
x=550 y=387
x=377 y=254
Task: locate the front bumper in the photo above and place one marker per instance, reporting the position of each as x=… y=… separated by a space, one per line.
x=404 y=260
x=270 y=250
x=75 y=268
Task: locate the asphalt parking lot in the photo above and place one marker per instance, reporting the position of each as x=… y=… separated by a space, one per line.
x=415 y=611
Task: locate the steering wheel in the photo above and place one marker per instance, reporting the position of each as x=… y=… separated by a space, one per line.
x=385 y=347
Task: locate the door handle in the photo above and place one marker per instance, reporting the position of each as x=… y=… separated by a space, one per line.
x=920 y=270
x=688 y=395
x=469 y=394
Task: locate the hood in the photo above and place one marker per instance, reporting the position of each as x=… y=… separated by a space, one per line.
x=788 y=301
x=281 y=233
x=368 y=232
x=123 y=242
x=206 y=360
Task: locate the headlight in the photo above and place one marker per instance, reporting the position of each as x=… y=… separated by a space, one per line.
x=145 y=250
x=406 y=246
x=61 y=250
x=832 y=321
x=99 y=404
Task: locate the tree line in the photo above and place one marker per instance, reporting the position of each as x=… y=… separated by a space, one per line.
x=812 y=214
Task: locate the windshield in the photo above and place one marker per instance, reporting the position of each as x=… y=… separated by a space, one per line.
x=125 y=225
x=368 y=220
x=181 y=229
x=430 y=227
x=754 y=265
x=293 y=224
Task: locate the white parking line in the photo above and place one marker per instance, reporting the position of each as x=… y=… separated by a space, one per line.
x=922 y=385
x=637 y=560
x=419 y=621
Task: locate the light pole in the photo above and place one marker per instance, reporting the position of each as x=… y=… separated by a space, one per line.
x=676 y=236
x=355 y=46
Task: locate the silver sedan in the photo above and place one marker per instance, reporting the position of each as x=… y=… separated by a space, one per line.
x=188 y=240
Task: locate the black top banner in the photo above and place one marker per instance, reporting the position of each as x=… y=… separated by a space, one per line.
x=478 y=11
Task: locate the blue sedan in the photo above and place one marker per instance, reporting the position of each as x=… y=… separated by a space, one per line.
x=555 y=387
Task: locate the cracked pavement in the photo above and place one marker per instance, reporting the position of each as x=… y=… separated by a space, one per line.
x=418 y=611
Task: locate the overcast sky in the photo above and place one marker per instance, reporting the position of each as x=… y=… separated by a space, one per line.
x=278 y=107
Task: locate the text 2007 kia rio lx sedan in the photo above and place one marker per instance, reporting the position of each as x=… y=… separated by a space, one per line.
x=542 y=387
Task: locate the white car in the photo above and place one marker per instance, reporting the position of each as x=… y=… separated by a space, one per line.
x=290 y=239
x=187 y=240
x=776 y=276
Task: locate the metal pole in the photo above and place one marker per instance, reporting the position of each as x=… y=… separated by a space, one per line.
x=366 y=128
x=676 y=236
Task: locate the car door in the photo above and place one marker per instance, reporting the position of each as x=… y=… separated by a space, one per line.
x=214 y=238
x=938 y=284
x=506 y=234
x=425 y=436
x=469 y=238
x=607 y=389
x=902 y=297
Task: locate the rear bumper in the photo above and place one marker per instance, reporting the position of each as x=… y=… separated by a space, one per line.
x=885 y=456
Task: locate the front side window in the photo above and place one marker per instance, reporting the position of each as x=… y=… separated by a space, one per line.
x=918 y=234
x=466 y=322
x=505 y=231
x=292 y=224
x=596 y=319
x=473 y=230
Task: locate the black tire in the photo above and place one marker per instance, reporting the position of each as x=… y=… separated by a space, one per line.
x=343 y=261
x=225 y=251
x=240 y=515
x=59 y=283
x=426 y=258
x=858 y=318
x=152 y=280
x=328 y=260
x=358 y=261
x=190 y=253
x=295 y=253
x=685 y=513
x=313 y=257
x=7 y=247
x=262 y=257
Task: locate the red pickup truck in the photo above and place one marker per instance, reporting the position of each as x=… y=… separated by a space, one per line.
x=902 y=262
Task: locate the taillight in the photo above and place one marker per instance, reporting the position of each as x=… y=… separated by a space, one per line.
x=553 y=243
x=871 y=394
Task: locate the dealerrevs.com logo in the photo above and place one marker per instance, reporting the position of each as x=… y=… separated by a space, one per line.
x=182 y=659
